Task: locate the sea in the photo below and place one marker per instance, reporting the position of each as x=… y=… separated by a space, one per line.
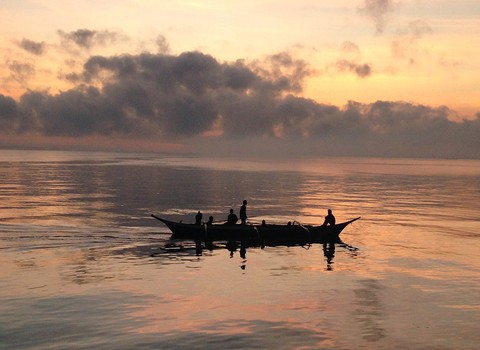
x=84 y=265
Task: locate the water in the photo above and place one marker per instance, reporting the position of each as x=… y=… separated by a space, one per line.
x=83 y=264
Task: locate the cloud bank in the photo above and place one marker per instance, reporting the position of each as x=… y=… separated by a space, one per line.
x=215 y=106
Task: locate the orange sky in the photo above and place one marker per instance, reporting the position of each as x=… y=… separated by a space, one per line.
x=418 y=52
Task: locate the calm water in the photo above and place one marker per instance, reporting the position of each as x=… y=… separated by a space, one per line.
x=83 y=265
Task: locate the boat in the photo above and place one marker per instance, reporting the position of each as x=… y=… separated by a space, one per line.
x=256 y=234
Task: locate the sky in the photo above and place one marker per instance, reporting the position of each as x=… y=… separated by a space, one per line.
x=269 y=78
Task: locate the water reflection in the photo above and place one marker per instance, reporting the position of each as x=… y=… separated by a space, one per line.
x=370 y=312
x=187 y=250
x=79 y=248
x=329 y=252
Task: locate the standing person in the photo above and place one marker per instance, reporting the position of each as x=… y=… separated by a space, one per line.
x=243 y=212
x=329 y=219
x=232 y=218
x=198 y=218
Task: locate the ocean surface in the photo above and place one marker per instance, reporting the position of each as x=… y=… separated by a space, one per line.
x=85 y=266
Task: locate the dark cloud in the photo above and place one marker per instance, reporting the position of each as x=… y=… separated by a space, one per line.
x=350 y=61
x=35 y=48
x=8 y=113
x=285 y=71
x=183 y=97
x=21 y=71
x=361 y=70
x=162 y=44
x=378 y=11
x=86 y=38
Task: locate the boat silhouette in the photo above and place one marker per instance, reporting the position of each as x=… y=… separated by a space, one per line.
x=263 y=234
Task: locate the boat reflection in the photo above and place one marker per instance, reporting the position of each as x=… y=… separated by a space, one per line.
x=329 y=253
x=199 y=249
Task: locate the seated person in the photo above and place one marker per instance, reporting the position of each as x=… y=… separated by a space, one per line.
x=232 y=218
x=329 y=219
x=210 y=220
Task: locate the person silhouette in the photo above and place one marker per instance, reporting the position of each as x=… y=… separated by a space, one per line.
x=198 y=218
x=329 y=219
x=243 y=213
x=232 y=218
x=210 y=220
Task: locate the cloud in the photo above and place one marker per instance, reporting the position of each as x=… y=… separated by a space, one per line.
x=378 y=11
x=7 y=107
x=86 y=38
x=20 y=71
x=361 y=70
x=350 y=60
x=162 y=44
x=35 y=48
x=405 y=44
x=349 y=47
x=253 y=106
x=419 y=28
x=285 y=70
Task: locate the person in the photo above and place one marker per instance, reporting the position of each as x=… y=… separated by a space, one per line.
x=243 y=212
x=232 y=218
x=329 y=219
x=198 y=218
x=210 y=220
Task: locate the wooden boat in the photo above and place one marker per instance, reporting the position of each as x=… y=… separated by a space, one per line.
x=256 y=234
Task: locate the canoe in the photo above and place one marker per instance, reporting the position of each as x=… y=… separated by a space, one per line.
x=258 y=234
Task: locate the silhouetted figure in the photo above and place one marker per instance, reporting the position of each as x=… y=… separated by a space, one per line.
x=232 y=218
x=198 y=218
x=210 y=220
x=329 y=219
x=243 y=212
x=289 y=223
x=264 y=222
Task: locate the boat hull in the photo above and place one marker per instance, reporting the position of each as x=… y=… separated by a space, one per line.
x=256 y=234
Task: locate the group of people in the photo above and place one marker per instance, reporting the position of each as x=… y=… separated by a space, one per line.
x=232 y=218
